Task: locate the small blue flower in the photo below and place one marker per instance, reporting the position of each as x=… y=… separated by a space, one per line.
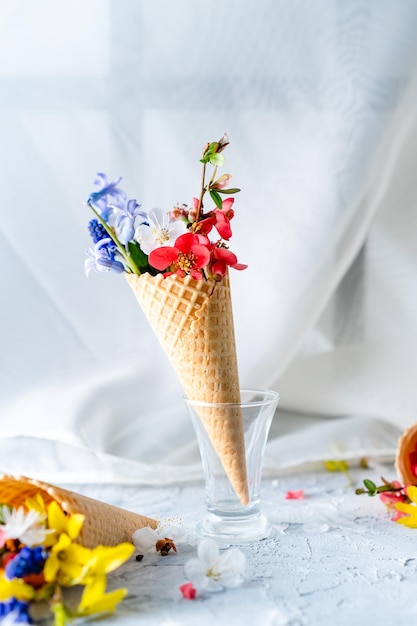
x=106 y=189
x=28 y=561
x=16 y=609
x=98 y=232
x=103 y=259
x=107 y=194
x=125 y=220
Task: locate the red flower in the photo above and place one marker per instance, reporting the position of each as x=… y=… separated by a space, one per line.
x=391 y=498
x=188 y=591
x=188 y=256
x=295 y=495
x=220 y=219
x=221 y=259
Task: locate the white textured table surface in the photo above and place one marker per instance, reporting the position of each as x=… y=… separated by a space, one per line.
x=336 y=560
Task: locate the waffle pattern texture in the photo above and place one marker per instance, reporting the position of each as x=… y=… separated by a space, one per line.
x=193 y=321
x=104 y=524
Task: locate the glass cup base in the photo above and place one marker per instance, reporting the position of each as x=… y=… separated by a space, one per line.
x=235 y=530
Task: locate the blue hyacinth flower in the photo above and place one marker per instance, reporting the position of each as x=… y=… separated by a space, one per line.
x=125 y=221
x=110 y=190
x=102 y=258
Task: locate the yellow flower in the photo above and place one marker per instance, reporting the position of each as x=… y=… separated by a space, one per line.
x=65 y=561
x=105 y=559
x=36 y=503
x=57 y=520
x=15 y=588
x=410 y=519
x=336 y=466
x=72 y=564
x=95 y=600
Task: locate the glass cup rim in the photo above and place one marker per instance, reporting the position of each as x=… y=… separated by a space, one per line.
x=272 y=396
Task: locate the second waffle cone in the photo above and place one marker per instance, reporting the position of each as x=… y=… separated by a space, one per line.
x=104 y=523
x=405 y=462
x=193 y=321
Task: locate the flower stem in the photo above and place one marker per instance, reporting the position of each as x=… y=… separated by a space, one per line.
x=213 y=177
x=126 y=256
x=203 y=191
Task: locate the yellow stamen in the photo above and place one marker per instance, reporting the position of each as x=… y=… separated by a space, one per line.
x=161 y=235
x=186 y=262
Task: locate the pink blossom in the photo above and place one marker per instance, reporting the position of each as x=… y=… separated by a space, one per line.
x=391 y=498
x=295 y=495
x=188 y=591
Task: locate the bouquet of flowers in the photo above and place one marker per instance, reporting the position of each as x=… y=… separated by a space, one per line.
x=177 y=262
x=52 y=540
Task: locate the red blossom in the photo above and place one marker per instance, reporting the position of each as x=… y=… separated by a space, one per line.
x=219 y=219
x=391 y=498
x=189 y=255
x=295 y=495
x=204 y=226
x=221 y=259
x=222 y=224
x=188 y=591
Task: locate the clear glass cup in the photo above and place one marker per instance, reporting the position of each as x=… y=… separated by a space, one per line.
x=228 y=520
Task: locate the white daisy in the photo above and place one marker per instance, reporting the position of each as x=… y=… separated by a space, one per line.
x=24 y=526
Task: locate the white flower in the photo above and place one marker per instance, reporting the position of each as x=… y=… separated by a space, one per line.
x=23 y=526
x=161 y=231
x=213 y=570
x=145 y=538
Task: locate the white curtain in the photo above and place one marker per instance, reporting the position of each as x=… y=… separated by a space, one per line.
x=319 y=100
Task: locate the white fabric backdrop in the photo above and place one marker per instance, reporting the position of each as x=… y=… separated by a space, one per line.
x=319 y=101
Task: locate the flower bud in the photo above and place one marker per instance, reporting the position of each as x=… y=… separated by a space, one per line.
x=223 y=142
x=222 y=182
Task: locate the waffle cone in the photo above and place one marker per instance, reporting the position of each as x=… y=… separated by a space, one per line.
x=407 y=445
x=104 y=524
x=193 y=322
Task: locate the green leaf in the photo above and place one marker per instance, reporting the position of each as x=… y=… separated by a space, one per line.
x=211 y=149
x=231 y=190
x=216 y=198
x=139 y=257
x=369 y=485
x=205 y=159
x=217 y=160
